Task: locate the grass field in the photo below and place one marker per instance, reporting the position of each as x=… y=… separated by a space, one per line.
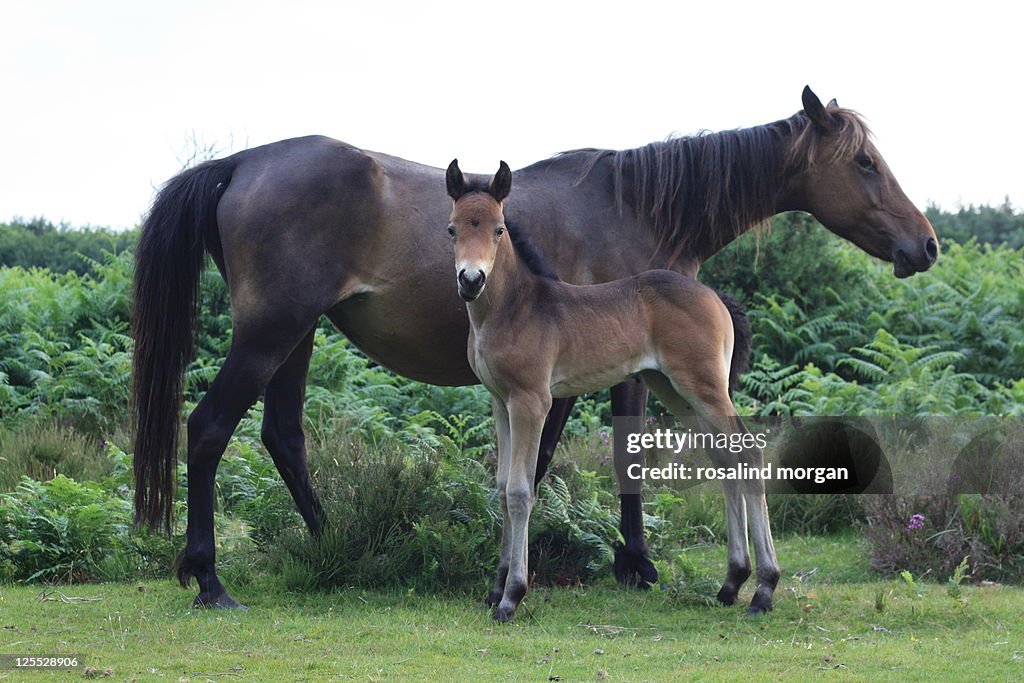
x=832 y=620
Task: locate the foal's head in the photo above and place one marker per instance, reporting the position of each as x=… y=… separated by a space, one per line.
x=477 y=226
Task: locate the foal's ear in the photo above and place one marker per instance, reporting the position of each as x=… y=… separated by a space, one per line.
x=815 y=110
x=832 y=104
x=455 y=181
x=501 y=183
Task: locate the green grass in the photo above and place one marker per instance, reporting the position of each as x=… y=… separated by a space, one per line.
x=831 y=619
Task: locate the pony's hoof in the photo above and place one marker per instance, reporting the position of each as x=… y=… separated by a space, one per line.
x=761 y=604
x=494 y=597
x=221 y=601
x=503 y=614
x=633 y=568
x=727 y=596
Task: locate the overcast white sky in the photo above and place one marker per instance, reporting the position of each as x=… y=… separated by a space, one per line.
x=99 y=97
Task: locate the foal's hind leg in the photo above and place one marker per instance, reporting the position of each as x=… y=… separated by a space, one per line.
x=768 y=572
x=753 y=495
x=722 y=414
x=738 y=569
x=255 y=355
x=283 y=434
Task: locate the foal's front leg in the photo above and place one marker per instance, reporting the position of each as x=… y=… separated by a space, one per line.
x=526 y=421
x=501 y=426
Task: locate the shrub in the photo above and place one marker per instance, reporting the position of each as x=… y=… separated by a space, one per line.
x=43 y=449
x=427 y=518
x=933 y=534
x=385 y=512
x=815 y=515
x=60 y=530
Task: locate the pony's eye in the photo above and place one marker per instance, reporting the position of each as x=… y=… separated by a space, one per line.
x=451 y=230
x=500 y=231
x=867 y=163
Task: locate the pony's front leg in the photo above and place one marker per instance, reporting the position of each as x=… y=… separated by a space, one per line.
x=501 y=426
x=526 y=419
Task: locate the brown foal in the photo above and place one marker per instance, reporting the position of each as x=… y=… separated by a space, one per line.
x=533 y=338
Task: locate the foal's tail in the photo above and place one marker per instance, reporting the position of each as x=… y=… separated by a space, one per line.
x=742 y=338
x=169 y=260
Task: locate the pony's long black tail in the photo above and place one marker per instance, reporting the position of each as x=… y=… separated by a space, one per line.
x=743 y=338
x=169 y=261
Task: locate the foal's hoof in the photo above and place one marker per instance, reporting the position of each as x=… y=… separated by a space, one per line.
x=503 y=614
x=633 y=568
x=494 y=597
x=221 y=601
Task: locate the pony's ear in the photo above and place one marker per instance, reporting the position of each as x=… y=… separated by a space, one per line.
x=832 y=104
x=454 y=180
x=501 y=183
x=815 y=110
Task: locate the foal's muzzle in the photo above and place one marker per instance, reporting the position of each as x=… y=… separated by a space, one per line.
x=471 y=283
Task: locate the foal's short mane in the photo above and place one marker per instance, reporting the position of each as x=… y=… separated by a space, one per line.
x=701 y=191
x=528 y=252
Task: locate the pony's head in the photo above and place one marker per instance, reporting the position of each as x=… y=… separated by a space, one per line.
x=840 y=177
x=476 y=226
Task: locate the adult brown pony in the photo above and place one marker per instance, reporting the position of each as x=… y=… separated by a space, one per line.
x=313 y=226
x=533 y=337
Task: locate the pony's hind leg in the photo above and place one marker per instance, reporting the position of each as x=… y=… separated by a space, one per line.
x=633 y=566
x=254 y=357
x=554 y=423
x=284 y=436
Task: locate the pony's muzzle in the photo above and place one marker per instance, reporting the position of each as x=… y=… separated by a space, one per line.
x=913 y=258
x=471 y=283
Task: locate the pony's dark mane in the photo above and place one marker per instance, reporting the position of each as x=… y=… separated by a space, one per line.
x=528 y=253
x=702 y=191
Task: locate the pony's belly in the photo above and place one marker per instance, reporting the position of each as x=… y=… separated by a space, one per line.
x=420 y=338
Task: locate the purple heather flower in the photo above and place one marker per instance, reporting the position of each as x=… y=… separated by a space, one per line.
x=916 y=522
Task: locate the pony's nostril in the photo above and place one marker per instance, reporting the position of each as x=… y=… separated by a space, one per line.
x=931 y=248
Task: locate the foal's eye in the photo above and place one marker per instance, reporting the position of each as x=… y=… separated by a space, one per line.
x=451 y=231
x=867 y=163
x=500 y=230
